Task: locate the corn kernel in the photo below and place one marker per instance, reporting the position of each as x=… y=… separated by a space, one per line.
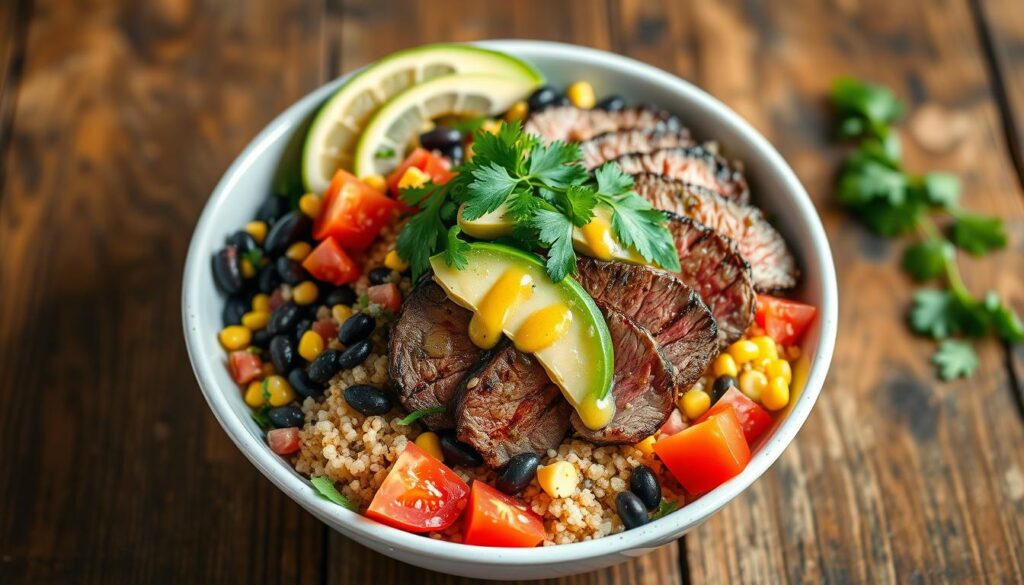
x=776 y=396
x=724 y=365
x=766 y=347
x=581 y=94
x=743 y=351
x=248 y=270
x=261 y=302
x=310 y=345
x=646 y=446
x=298 y=251
x=310 y=205
x=341 y=313
x=780 y=369
x=256 y=319
x=492 y=126
x=234 y=337
x=258 y=231
x=254 y=394
x=517 y=112
x=695 y=403
x=305 y=293
x=375 y=182
x=280 y=391
x=395 y=262
x=558 y=479
x=431 y=443
x=412 y=178
x=761 y=364
x=753 y=383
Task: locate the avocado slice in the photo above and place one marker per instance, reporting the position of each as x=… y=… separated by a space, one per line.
x=580 y=362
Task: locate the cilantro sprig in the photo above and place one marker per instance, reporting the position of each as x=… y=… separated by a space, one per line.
x=545 y=190
x=892 y=202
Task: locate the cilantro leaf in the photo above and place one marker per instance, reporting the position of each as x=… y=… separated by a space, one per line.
x=521 y=205
x=262 y=417
x=638 y=225
x=325 y=487
x=612 y=180
x=926 y=260
x=941 y=189
x=418 y=414
x=887 y=219
x=456 y=250
x=866 y=180
x=578 y=204
x=933 y=313
x=555 y=230
x=864 y=108
x=665 y=508
x=955 y=358
x=978 y=234
x=490 y=187
x=255 y=257
x=552 y=164
x=504 y=149
x=1005 y=321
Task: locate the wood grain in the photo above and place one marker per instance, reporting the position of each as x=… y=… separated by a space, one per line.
x=1002 y=30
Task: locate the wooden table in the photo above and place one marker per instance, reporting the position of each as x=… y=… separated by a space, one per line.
x=118 y=117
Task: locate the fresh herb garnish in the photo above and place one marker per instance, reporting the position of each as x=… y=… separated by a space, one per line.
x=254 y=350
x=262 y=416
x=418 y=414
x=363 y=302
x=891 y=202
x=265 y=389
x=326 y=489
x=384 y=152
x=255 y=257
x=664 y=509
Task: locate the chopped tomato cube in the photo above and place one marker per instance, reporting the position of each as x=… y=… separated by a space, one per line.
x=386 y=295
x=326 y=329
x=276 y=299
x=244 y=366
x=495 y=519
x=353 y=213
x=329 y=263
x=436 y=167
x=419 y=494
x=284 y=441
x=673 y=424
x=754 y=420
x=705 y=455
x=784 y=320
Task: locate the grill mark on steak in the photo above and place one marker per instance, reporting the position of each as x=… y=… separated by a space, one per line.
x=571 y=124
x=696 y=165
x=642 y=387
x=611 y=145
x=510 y=406
x=771 y=262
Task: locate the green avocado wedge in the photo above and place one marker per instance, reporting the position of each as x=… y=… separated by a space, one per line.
x=581 y=361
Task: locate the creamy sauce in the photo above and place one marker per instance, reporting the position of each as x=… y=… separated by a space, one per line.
x=543 y=328
x=512 y=288
x=598 y=236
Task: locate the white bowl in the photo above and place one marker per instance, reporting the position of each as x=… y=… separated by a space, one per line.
x=775 y=188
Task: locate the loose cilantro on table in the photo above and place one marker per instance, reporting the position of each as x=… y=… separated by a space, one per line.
x=891 y=202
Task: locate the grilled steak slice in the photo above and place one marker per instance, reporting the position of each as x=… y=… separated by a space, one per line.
x=771 y=263
x=430 y=352
x=571 y=124
x=510 y=406
x=696 y=165
x=642 y=384
x=663 y=305
x=610 y=145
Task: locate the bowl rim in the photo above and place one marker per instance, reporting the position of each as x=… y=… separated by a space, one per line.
x=360 y=528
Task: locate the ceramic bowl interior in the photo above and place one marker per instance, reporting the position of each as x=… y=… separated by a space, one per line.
x=774 y=185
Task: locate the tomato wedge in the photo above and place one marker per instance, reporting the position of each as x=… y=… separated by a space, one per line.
x=419 y=494
x=329 y=263
x=705 y=455
x=244 y=366
x=753 y=419
x=436 y=167
x=386 y=295
x=353 y=213
x=784 y=320
x=495 y=519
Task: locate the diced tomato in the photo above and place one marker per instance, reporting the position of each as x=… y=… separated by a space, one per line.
x=283 y=441
x=705 y=455
x=386 y=295
x=436 y=167
x=495 y=519
x=353 y=213
x=674 y=424
x=784 y=320
x=329 y=263
x=419 y=494
x=276 y=299
x=244 y=366
x=326 y=329
x=754 y=420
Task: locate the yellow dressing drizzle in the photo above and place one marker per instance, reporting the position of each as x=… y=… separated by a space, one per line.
x=596 y=413
x=512 y=288
x=598 y=235
x=543 y=328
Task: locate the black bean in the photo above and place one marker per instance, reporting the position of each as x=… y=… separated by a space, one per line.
x=283 y=320
x=459 y=453
x=543 y=97
x=380 y=275
x=261 y=339
x=291 y=228
x=455 y=152
x=243 y=241
x=645 y=485
x=234 y=308
x=612 y=103
x=324 y=366
x=355 y=354
x=268 y=279
x=721 y=386
x=631 y=510
x=343 y=295
x=301 y=327
x=516 y=474
x=290 y=271
x=227 y=272
x=272 y=208
x=441 y=138
x=563 y=101
x=299 y=380
x=356 y=328
x=282 y=353
x=283 y=417
x=368 y=400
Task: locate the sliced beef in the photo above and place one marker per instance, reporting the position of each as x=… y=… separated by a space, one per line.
x=642 y=385
x=661 y=303
x=696 y=165
x=510 y=406
x=771 y=263
x=610 y=145
x=571 y=124
x=430 y=352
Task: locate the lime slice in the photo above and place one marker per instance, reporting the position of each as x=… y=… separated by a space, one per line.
x=384 y=141
x=331 y=141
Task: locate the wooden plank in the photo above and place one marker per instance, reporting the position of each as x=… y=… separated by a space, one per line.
x=895 y=477
x=114 y=470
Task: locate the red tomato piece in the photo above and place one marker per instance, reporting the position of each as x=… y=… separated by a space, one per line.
x=353 y=213
x=754 y=420
x=326 y=329
x=674 y=424
x=419 y=494
x=784 y=320
x=495 y=519
x=276 y=299
x=329 y=263
x=244 y=366
x=436 y=167
x=705 y=455
x=283 y=441
x=386 y=295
